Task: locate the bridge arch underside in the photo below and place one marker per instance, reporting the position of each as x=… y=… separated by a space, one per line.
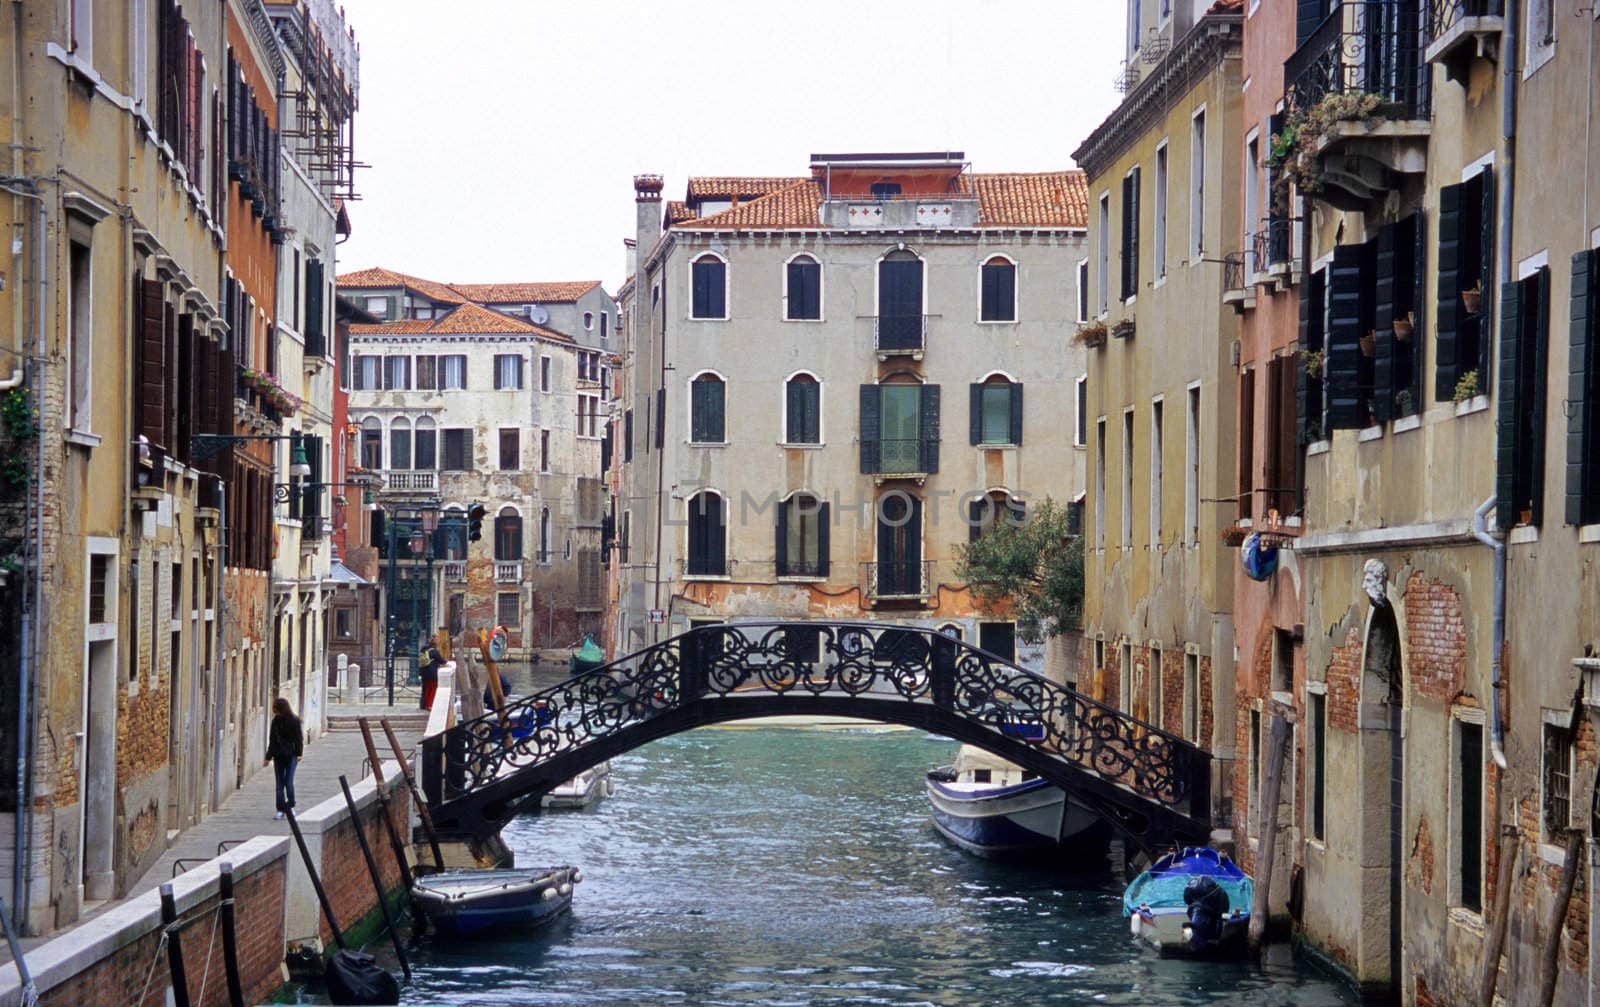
x=482 y=812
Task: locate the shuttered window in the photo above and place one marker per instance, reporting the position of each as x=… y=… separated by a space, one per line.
x=627 y=435
x=804 y=289
x=400 y=445
x=1247 y=442
x=802 y=408
x=427 y=372
x=508 y=536
x=427 y=441
x=1308 y=369
x=899 y=429
x=1519 y=446
x=709 y=278
x=801 y=545
x=508 y=371
x=1348 y=360
x=510 y=449
x=706 y=410
x=1583 y=392
x=452 y=372
x=707 y=532
x=367 y=376
x=315 y=328
x=999 y=282
x=1397 y=286
x=458 y=450
x=995 y=412
x=1280 y=452
x=1466 y=248
x=1130 y=234
x=397 y=373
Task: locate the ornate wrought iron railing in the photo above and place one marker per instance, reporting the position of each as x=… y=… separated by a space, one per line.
x=900 y=333
x=1445 y=14
x=909 y=578
x=1364 y=47
x=902 y=674
x=1233 y=277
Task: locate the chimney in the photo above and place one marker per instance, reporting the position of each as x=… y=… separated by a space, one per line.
x=647 y=205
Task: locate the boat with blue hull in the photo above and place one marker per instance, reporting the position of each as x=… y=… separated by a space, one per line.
x=993 y=808
x=1192 y=901
x=467 y=902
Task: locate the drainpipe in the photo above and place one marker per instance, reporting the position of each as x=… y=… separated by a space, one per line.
x=1498 y=637
x=1510 y=70
x=219 y=640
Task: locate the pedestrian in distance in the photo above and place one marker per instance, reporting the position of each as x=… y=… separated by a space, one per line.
x=429 y=670
x=286 y=743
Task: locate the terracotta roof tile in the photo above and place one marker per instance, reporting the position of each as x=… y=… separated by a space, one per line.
x=380 y=277
x=404 y=326
x=795 y=205
x=467 y=319
x=560 y=292
x=1046 y=198
x=678 y=212
x=729 y=186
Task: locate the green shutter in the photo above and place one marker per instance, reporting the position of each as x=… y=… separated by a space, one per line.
x=928 y=429
x=1446 y=369
x=1384 y=313
x=1581 y=366
x=316 y=343
x=822 y=541
x=1342 y=364
x=1307 y=402
x=1541 y=353
x=1505 y=452
x=1016 y=413
x=975 y=419
x=1486 y=224
x=1412 y=378
x=781 y=540
x=870 y=427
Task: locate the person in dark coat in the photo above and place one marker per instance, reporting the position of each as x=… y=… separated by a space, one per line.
x=429 y=670
x=286 y=743
x=488 y=692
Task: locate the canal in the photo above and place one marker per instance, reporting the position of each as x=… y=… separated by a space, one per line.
x=798 y=867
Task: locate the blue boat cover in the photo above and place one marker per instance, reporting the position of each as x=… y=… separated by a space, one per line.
x=1161 y=887
x=1260 y=561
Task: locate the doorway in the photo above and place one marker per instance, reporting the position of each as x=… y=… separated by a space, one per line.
x=1382 y=787
x=99 y=771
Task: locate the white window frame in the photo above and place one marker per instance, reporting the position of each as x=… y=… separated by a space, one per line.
x=1197 y=185
x=1129 y=422
x=1163 y=173
x=1252 y=200
x=1016 y=290
x=1104 y=250
x=783 y=407
x=1081 y=294
x=727 y=287
x=1157 y=432
x=727 y=532
x=688 y=412
x=1539 y=36
x=1080 y=417
x=1192 y=412
x=1459 y=716
x=822 y=290
x=1100 y=483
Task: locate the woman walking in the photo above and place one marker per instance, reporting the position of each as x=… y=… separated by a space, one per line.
x=285 y=744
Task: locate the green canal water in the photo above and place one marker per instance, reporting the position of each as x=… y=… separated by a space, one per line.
x=790 y=867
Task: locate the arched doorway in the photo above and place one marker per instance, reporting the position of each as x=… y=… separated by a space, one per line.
x=1383 y=795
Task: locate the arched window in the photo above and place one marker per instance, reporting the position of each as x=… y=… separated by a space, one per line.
x=996 y=411
x=706 y=409
x=399 y=443
x=999 y=290
x=802 y=410
x=426 y=455
x=803 y=289
x=453 y=534
x=707 y=536
x=709 y=276
x=802 y=539
x=900 y=302
x=372 y=443
x=997 y=505
x=508 y=535
x=588 y=319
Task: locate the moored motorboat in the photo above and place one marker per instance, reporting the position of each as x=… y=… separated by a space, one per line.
x=587 y=788
x=465 y=902
x=1191 y=901
x=994 y=808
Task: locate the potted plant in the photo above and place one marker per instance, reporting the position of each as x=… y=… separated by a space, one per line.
x=1466 y=387
x=1472 y=299
x=1312 y=361
x=1404 y=402
x=1369 y=344
x=1090 y=334
x=1404 y=327
x=1123 y=329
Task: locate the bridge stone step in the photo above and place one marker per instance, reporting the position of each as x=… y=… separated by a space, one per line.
x=339 y=722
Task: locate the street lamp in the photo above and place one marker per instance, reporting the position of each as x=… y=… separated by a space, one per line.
x=299 y=465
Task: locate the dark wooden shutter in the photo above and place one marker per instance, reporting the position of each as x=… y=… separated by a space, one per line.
x=316 y=337
x=661 y=418
x=1486 y=222
x=1127 y=285
x=823 y=518
x=716 y=541
x=311 y=508
x=975 y=420
x=1342 y=364
x=1016 y=413
x=1388 y=306
x=1247 y=442
x=1288 y=485
x=1446 y=368
x=928 y=429
x=184 y=375
x=1308 y=15
x=870 y=430
x=1536 y=387
x=1581 y=405
x=153 y=364
x=1133 y=240
x=627 y=435
x=1508 y=427
x=1308 y=388
x=781 y=540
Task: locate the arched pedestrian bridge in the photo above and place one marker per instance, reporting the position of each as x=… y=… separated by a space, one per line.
x=1152 y=786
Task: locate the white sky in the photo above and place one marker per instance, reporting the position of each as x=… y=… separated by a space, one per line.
x=504 y=134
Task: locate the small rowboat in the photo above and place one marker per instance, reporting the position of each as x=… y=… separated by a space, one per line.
x=462 y=903
x=1194 y=901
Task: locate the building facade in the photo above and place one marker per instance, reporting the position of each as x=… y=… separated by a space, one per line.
x=823 y=386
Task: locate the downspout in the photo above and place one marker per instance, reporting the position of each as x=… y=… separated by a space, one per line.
x=220 y=640
x=1498 y=636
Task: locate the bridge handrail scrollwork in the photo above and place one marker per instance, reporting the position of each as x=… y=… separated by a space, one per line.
x=889 y=672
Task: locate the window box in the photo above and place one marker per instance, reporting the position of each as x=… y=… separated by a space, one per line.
x=1123 y=329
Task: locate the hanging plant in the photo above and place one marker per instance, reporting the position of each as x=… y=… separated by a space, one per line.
x=1293 y=149
x=1090 y=334
x=1312 y=360
x=14 y=472
x=1466 y=386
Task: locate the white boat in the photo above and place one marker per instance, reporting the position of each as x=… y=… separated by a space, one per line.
x=1193 y=901
x=587 y=788
x=994 y=808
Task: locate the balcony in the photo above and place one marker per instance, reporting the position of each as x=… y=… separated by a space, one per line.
x=410 y=481
x=1268 y=261
x=1363 y=48
x=1236 y=293
x=1460 y=31
x=508 y=573
x=901 y=580
x=455 y=571
x=900 y=335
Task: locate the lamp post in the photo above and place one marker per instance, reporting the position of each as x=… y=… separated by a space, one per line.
x=413 y=526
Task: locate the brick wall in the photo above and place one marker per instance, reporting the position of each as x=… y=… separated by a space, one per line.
x=1140 y=683
x=1111 y=674
x=1344 y=684
x=1241 y=787
x=1172 y=685
x=1207 y=717
x=344 y=872
x=1436 y=638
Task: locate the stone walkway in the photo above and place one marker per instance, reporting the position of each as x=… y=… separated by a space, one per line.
x=249 y=811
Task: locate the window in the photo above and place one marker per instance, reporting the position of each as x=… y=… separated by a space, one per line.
x=508 y=610
x=1466 y=271
x=588 y=320
x=1197 y=187
x=802 y=537
x=627 y=435
x=80 y=29
x=80 y=329
x=1100 y=484
x=427 y=442
x=396 y=373
x=508 y=371
x=1080 y=429
x=900 y=301
x=885 y=190
x=1282 y=480
x=1541 y=40
x=99 y=574
x=899 y=572
x=1127 y=479
x=996 y=413
x=710 y=288
x=1282 y=660
x=399 y=443
x=1253 y=808
x=899 y=428
x=378 y=307
x=1556 y=797
x=1252 y=203
x=343 y=625
x=983 y=513
x=1125 y=679
x=999 y=639
x=1161 y=212
x=1469 y=815
x=453 y=533
x=510 y=449
x=427 y=372
x=605 y=322
x=458 y=450
x=1191 y=697
x=1348 y=371
x=508 y=535
x=1247 y=442
x=1524 y=338
x=1155 y=685
x=982 y=775
x=544 y=451
x=366 y=376
x=999 y=290
x=544 y=535
x=706 y=410
x=1130 y=234
x=1583 y=430
x=544 y=374
x=802 y=292
x=1105 y=252
x=802 y=410
x=1191 y=470
x=707 y=533
x=371 y=443
x=1155 y=474
x=452 y=372
x=1083 y=290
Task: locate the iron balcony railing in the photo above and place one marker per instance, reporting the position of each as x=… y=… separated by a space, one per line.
x=900 y=333
x=1364 y=47
x=898 y=579
x=1279 y=246
x=1233 y=271
x=1445 y=14
x=899 y=455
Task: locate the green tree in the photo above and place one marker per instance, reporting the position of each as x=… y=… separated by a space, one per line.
x=1035 y=566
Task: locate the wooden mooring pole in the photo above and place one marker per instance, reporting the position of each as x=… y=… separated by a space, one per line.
x=1510 y=849
x=416 y=795
x=169 y=917
x=396 y=845
x=1277 y=750
x=377 y=879
x=230 y=939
